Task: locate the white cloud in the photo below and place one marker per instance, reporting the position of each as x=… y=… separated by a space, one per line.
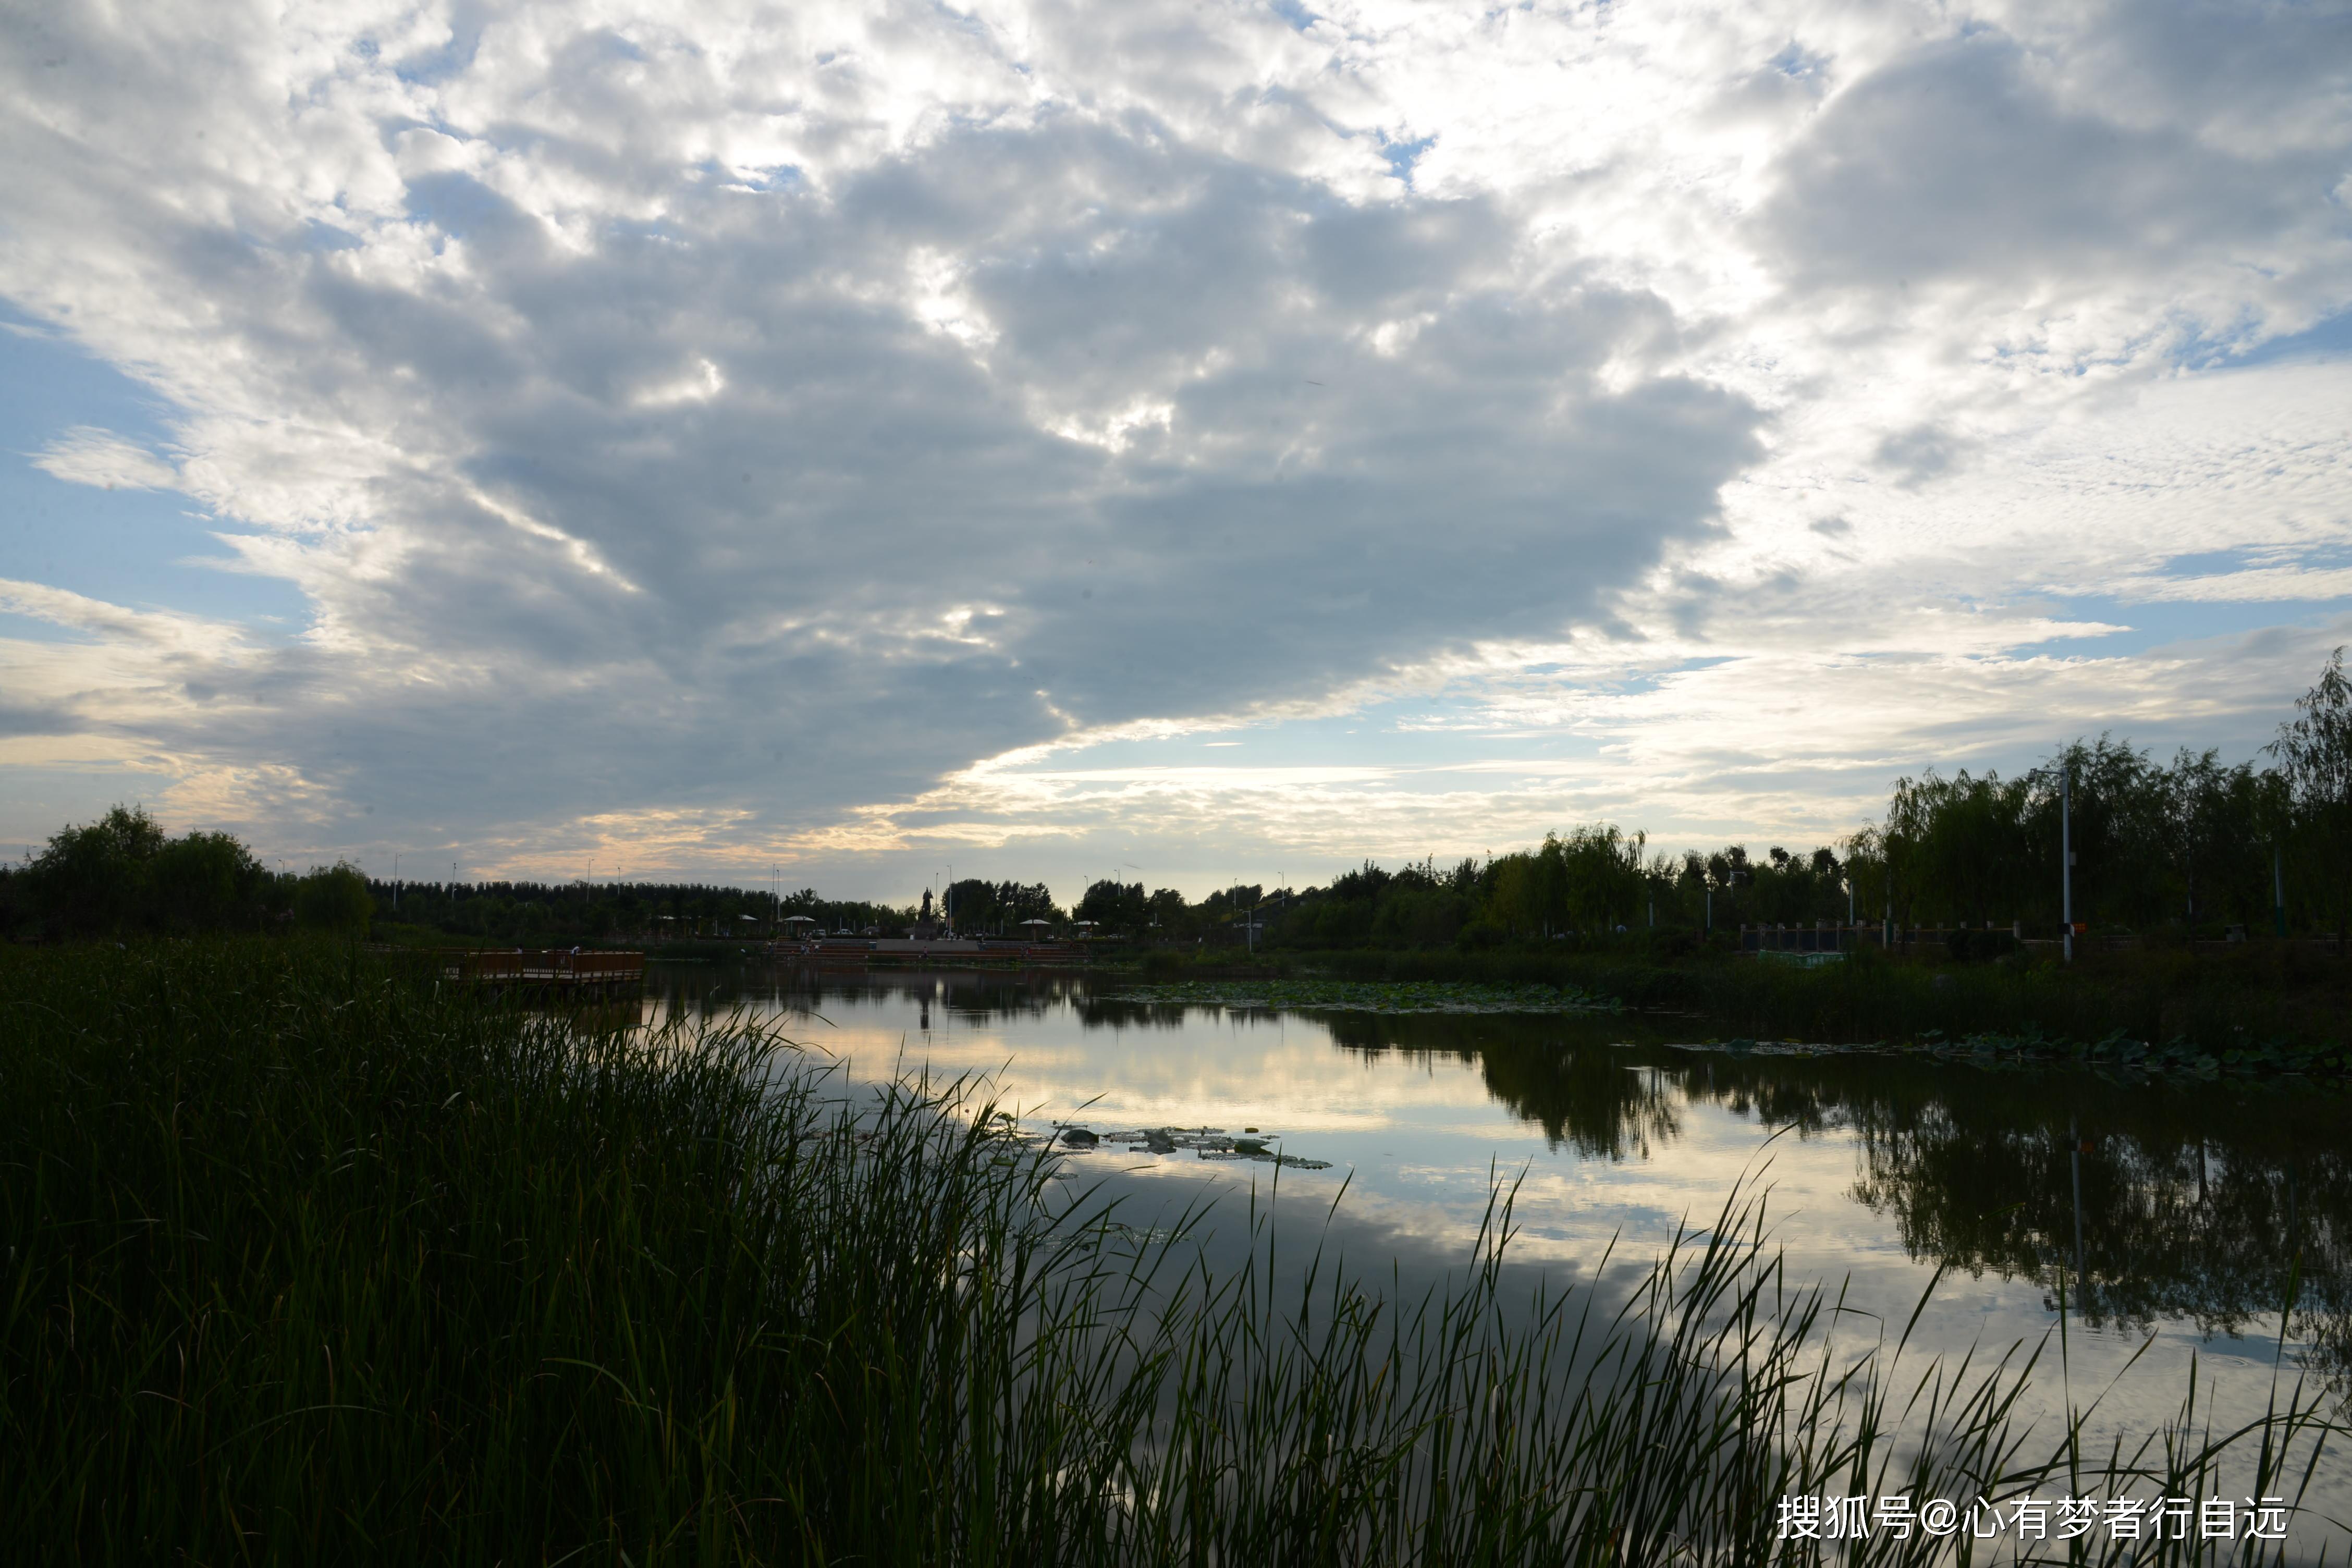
x=83 y=455
x=727 y=431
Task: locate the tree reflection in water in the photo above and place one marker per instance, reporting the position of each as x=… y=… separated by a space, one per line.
x=2197 y=1198
x=2194 y=1196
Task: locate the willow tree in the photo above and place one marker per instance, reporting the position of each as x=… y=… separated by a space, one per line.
x=2315 y=758
x=1959 y=845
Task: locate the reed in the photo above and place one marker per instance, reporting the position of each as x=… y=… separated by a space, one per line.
x=2273 y=996
x=308 y=1262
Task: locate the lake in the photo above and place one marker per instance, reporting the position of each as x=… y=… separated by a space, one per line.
x=2169 y=1210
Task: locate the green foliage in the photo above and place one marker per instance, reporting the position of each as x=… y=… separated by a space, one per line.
x=1593 y=879
x=2314 y=757
x=998 y=908
x=208 y=882
x=311 y=1264
x=334 y=899
x=2288 y=993
x=122 y=875
x=95 y=879
x=2188 y=845
x=1115 y=906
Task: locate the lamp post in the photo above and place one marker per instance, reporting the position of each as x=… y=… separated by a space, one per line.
x=2278 y=885
x=2066 y=853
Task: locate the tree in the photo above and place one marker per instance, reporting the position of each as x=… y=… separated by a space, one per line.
x=335 y=898
x=1959 y=846
x=1114 y=907
x=208 y=882
x=1601 y=875
x=1866 y=874
x=2121 y=832
x=95 y=880
x=2314 y=757
x=2214 y=832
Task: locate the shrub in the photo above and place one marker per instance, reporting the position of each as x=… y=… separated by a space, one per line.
x=334 y=899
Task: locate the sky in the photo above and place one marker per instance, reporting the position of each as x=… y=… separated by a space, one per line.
x=1191 y=441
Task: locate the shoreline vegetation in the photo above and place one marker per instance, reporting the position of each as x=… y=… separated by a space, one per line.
x=309 y=1261
x=2218 y=899
x=2263 y=1008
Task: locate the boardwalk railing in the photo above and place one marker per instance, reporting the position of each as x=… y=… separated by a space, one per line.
x=863 y=951
x=1827 y=937
x=557 y=968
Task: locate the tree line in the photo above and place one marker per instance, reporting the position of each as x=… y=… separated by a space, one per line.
x=541 y=914
x=122 y=875
x=2193 y=843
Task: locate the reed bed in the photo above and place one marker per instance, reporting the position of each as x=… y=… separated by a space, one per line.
x=310 y=1262
x=2283 y=997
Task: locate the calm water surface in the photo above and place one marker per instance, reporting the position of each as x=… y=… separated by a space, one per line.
x=2181 y=1203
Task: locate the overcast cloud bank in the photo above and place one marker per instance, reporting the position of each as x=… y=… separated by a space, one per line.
x=865 y=437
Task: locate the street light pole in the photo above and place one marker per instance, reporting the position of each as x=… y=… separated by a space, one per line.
x=2278 y=885
x=2066 y=853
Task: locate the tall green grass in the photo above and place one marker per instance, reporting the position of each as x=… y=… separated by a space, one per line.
x=308 y=1262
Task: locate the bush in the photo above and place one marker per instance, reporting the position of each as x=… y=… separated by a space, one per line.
x=95 y=880
x=1979 y=946
x=120 y=875
x=1480 y=935
x=334 y=899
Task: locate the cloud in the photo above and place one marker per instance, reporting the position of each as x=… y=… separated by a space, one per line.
x=83 y=455
x=1972 y=161
x=737 y=432
x=1917 y=455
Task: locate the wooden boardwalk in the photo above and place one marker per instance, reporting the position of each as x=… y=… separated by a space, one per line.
x=559 y=971
x=866 y=952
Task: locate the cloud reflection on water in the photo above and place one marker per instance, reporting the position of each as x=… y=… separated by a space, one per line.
x=1883 y=1168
